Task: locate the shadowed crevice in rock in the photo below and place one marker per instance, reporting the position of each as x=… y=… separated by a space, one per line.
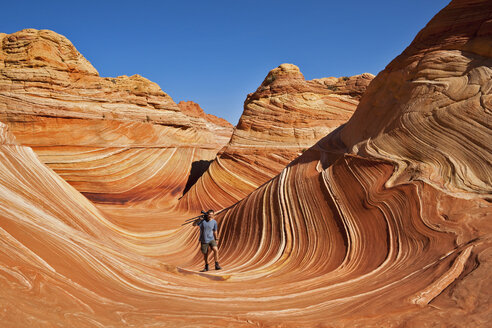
x=104 y=198
x=197 y=170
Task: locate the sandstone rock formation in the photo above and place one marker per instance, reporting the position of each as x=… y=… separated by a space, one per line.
x=118 y=140
x=368 y=228
x=284 y=117
x=221 y=128
x=61 y=262
x=387 y=219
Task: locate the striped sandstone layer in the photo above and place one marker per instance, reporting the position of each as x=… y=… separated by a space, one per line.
x=284 y=117
x=221 y=128
x=358 y=231
x=386 y=221
x=117 y=140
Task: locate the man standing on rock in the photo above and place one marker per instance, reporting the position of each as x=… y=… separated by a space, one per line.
x=208 y=237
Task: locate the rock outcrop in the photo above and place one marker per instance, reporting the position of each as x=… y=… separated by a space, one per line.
x=386 y=221
x=221 y=128
x=429 y=110
x=59 y=256
x=117 y=140
x=369 y=227
x=284 y=117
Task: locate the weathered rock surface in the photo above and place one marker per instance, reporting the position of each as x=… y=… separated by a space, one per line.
x=221 y=128
x=387 y=219
x=118 y=140
x=367 y=228
x=61 y=262
x=429 y=111
x=284 y=117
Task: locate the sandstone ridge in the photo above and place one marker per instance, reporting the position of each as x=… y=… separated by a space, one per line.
x=114 y=139
x=384 y=222
x=393 y=208
x=285 y=116
x=221 y=128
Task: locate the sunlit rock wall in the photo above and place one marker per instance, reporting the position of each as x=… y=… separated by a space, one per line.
x=117 y=140
x=357 y=232
x=429 y=111
x=61 y=262
x=284 y=117
x=386 y=221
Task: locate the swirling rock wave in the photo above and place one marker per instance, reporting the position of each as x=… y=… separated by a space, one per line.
x=369 y=227
x=117 y=140
x=331 y=255
x=284 y=117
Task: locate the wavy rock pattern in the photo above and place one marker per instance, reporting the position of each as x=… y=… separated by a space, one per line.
x=118 y=140
x=283 y=118
x=358 y=231
x=435 y=124
x=221 y=128
x=62 y=262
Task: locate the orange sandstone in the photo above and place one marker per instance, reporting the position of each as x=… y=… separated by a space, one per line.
x=117 y=140
x=221 y=129
x=284 y=117
x=385 y=222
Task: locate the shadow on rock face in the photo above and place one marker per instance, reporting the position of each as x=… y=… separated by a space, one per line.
x=197 y=170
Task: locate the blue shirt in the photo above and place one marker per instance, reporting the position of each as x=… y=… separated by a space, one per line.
x=207 y=230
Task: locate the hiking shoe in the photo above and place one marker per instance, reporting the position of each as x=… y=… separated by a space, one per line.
x=206 y=268
x=217 y=266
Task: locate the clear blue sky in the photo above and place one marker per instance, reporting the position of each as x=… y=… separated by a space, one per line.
x=216 y=52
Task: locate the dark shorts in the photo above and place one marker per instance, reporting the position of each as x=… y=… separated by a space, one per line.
x=212 y=243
